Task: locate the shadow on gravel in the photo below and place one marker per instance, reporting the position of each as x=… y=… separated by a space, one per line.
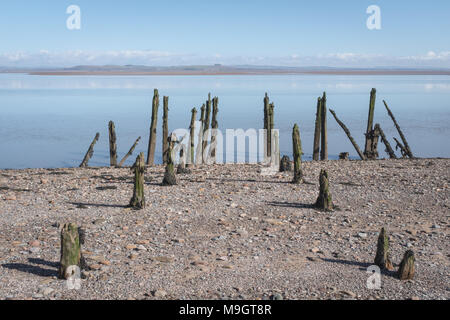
x=291 y=205
x=362 y=266
x=99 y=205
x=247 y=180
x=36 y=270
x=42 y=262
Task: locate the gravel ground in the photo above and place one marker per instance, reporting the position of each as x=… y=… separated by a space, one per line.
x=228 y=232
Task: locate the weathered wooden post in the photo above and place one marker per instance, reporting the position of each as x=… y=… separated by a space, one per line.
x=406 y=269
x=169 y=176
x=389 y=149
x=316 y=147
x=368 y=152
x=165 y=128
x=70 y=251
x=324 y=134
x=112 y=144
x=297 y=151
x=191 y=139
x=347 y=132
x=266 y=126
x=344 y=156
x=206 y=124
x=130 y=152
x=90 y=152
x=215 y=127
x=270 y=128
x=199 y=158
x=285 y=164
x=152 y=139
x=138 y=199
x=403 y=150
x=402 y=136
x=382 y=258
x=324 y=201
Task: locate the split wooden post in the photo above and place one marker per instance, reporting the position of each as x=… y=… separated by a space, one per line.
x=130 y=152
x=112 y=144
x=400 y=132
x=165 y=128
x=138 y=199
x=316 y=147
x=191 y=161
x=406 y=269
x=207 y=121
x=389 y=149
x=401 y=147
x=347 y=132
x=382 y=258
x=70 y=251
x=169 y=176
x=266 y=126
x=199 y=158
x=90 y=152
x=154 y=123
x=324 y=133
x=324 y=201
x=297 y=151
x=215 y=127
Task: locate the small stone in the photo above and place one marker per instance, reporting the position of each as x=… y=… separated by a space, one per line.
x=159 y=294
x=348 y=293
x=141 y=248
x=276 y=296
x=47 y=290
x=131 y=247
x=35 y=250
x=362 y=235
x=95 y=267
x=35 y=243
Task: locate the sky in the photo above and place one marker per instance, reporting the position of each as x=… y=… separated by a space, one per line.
x=230 y=32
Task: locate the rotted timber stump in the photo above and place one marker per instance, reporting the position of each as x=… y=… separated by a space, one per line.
x=169 y=176
x=382 y=258
x=324 y=201
x=285 y=164
x=70 y=251
x=138 y=199
x=297 y=151
x=406 y=269
x=344 y=156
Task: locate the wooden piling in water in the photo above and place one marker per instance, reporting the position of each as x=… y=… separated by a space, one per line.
x=138 y=199
x=169 y=175
x=154 y=123
x=215 y=127
x=165 y=128
x=90 y=152
x=297 y=151
x=388 y=149
x=266 y=126
x=401 y=147
x=199 y=158
x=347 y=132
x=400 y=132
x=207 y=121
x=112 y=144
x=324 y=133
x=316 y=145
x=368 y=152
x=191 y=139
x=130 y=152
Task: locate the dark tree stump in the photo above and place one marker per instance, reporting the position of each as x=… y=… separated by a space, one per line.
x=324 y=201
x=382 y=258
x=406 y=269
x=70 y=250
x=285 y=164
x=138 y=199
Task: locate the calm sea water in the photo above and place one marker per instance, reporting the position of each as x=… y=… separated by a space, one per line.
x=48 y=122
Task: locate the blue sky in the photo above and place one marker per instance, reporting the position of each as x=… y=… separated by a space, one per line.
x=293 y=33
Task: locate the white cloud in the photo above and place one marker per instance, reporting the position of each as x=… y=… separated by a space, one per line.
x=45 y=58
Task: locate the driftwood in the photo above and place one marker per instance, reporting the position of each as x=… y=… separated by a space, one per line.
x=112 y=145
x=138 y=199
x=297 y=151
x=324 y=201
x=400 y=132
x=70 y=251
x=316 y=145
x=388 y=149
x=323 y=126
x=347 y=132
x=130 y=153
x=90 y=152
x=154 y=123
x=165 y=128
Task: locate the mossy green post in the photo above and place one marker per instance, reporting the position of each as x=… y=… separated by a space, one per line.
x=297 y=152
x=382 y=258
x=70 y=250
x=406 y=269
x=169 y=176
x=324 y=201
x=165 y=128
x=138 y=199
x=316 y=146
x=112 y=144
x=154 y=123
